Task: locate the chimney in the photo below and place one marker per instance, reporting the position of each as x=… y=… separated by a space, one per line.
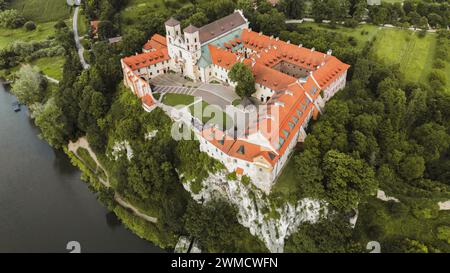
x=329 y=52
x=312 y=49
x=288 y=42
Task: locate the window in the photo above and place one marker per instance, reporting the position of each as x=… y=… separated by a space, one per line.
x=285 y=133
x=195 y=40
x=281 y=140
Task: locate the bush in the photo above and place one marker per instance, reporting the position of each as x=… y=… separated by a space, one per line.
x=438 y=75
x=444 y=233
x=438 y=63
x=30 y=26
x=11 y=18
x=351 y=23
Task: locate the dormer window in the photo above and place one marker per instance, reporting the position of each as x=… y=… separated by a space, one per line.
x=241 y=150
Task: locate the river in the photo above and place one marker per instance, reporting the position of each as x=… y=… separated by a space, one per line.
x=43 y=202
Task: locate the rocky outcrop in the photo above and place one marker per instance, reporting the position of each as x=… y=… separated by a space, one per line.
x=270 y=222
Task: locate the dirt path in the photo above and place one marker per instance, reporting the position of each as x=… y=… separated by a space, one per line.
x=83 y=143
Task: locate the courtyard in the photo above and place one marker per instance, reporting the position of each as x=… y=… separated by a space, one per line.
x=213 y=94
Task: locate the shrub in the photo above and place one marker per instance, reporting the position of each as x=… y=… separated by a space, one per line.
x=438 y=75
x=438 y=63
x=351 y=23
x=444 y=233
x=30 y=25
x=11 y=18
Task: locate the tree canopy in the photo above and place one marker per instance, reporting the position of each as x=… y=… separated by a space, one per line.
x=243 y=76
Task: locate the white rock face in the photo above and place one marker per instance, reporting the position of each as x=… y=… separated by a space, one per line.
x=272 y=224
x=120 y=147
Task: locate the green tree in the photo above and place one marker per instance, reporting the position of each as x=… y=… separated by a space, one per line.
x=318 y=8
x=243 y=76
x=30 y=85
x=293 y=9
x=50 y=119
x=271 y=23
x=135 y=39
x=434 y=138
x=197 y=19
x=106 y=29
x=412 y=167
x=3 y=5
x=216 y=228
x=347 y=180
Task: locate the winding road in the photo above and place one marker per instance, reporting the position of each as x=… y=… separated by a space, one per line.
x=80 y=47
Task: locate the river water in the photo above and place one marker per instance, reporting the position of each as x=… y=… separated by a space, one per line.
x=43 y=202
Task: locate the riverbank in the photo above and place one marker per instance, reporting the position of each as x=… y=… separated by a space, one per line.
x=43 y=205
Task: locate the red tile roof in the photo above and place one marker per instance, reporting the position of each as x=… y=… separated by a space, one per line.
x=147 y=59
x=148 y=100
x=156 y=42
x=271 y=78
x=222 y=57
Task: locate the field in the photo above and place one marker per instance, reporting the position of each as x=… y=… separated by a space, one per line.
x=42 y=10
x=8 y=36
x=51 y=66
x=406 y=48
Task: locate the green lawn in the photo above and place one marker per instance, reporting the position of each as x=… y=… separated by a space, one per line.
x=181 y=100
x=404 y=47
x=51 y=66
x=177 y=99
x=8 y=36
x=42 y=10
x=286 y=184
